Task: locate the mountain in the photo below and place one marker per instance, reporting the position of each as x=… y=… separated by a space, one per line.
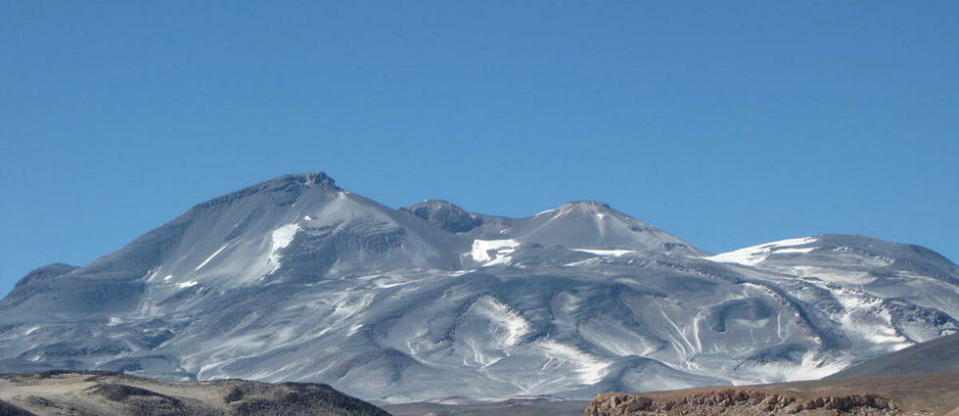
x=297 y=279
x=107 y=394
x=576 y=225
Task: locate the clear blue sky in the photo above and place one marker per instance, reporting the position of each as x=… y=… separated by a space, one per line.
x=727 y=123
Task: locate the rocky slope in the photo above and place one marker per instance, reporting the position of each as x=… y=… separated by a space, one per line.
x=897 y=395
x=297 y=279
x=106 y=394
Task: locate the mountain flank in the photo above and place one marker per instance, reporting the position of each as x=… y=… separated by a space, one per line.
x=940 y=355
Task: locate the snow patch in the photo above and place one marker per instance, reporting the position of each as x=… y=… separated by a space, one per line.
x=593 y=260
x=184 y=285
x=751 y=256
x=612 y=253
x=153 y=275
x=492 y=252
x=812 y=367
x=279 y=239
x=589 y=369
x=210 y=258
x=504 y=320
x=795 y=250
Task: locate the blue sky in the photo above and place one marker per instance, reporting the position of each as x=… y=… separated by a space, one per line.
x=726 y=123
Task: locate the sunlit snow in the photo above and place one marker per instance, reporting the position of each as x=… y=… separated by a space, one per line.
x=751 y=256
x=184 y=285
x=613 y=253
x=492 y=252
x=280 y=238
x=209 y=258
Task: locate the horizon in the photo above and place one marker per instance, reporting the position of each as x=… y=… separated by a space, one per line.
x=727 y=125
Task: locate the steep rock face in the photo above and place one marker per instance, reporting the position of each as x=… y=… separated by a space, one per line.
x=296 y=279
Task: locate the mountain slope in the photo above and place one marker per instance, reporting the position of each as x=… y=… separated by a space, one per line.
x=296 y=279
x=293 y=228
x=940 y=355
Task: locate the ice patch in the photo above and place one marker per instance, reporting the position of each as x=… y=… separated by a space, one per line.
x=184 y=285
x=210 y=258
x=168 y=277
x=751 y=256
x=492 y=252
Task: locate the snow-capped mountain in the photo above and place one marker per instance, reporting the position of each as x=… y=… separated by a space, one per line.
x=296 y=279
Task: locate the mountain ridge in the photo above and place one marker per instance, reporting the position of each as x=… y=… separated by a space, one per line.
x=297 y=279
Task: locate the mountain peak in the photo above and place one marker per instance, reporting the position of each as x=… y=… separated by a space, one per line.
x=587 y=205
x=306 y=179
x=447 y=215
x=293 y=181
x=596 y=225
x=286 y=188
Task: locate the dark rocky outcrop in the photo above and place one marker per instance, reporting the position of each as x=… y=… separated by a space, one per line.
x=741 y=402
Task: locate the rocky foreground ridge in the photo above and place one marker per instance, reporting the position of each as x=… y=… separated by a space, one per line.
x=741 y=402
x=929 y=394
x=109 y=394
